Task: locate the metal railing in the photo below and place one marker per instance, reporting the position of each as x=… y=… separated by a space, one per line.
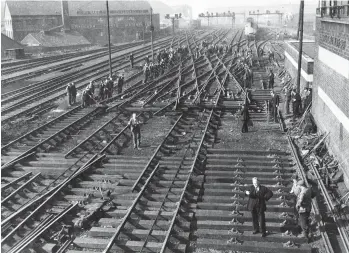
x=338 y=11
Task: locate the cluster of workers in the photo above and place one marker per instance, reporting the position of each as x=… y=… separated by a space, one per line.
x=259 y=195
x=89 y=96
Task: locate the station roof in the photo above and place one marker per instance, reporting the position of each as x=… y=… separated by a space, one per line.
x=8 y=43
x=55 y=39
x=47 y=8
x=308 y=48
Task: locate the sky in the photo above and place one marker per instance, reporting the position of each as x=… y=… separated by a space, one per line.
x=203 y=5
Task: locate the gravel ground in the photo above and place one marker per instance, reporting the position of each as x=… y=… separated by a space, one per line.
x=262 y=136
x=152 y=133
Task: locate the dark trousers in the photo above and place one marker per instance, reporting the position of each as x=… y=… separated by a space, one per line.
x=287 y=103
x=136 y=135
x=296 y=108
x=131 y=63
x=304 y=221
x=258 y=219
x=274 y=113
x=70 y=99
x=119 y=89
x=245 y=126
x=271 y=84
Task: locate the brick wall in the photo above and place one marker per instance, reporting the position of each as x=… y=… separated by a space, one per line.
x=336 y=87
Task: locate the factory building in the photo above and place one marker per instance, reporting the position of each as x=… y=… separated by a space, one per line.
x=331 y=78
x=128 y=19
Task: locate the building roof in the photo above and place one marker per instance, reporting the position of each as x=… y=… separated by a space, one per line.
x=8 y=43
x=37 y=8
x=55 y=39
x=308 y=48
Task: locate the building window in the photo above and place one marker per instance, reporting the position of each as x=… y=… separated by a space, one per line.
x=341 y=132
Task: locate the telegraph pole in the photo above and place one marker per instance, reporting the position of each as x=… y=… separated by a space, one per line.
x=300 y=31
x=151 y=31
x=110 y=67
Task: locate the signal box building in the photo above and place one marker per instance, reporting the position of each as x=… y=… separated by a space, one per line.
x=331 y=78
x=89 y=18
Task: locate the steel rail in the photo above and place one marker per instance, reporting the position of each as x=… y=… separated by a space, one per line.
x=27 y=241
x=153 y=157
x=46 y=140
x=129 y=211
x=339 y=221
x=169 y=231
x=170 y=187
x=62 y=93
x=36 y=199
x=15 y=182
x=33 y=132
x=322 y=230
x=55 y=191
x=22 y=187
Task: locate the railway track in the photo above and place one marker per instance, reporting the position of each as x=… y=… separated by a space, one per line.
x=10 y=68
x=47 y=92
x=11 y=216
x=184 y=193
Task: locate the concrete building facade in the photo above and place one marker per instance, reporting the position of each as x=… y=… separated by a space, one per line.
x=331 y=78
x=291 y=62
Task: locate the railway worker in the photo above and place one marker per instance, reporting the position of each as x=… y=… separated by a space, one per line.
x=131 y=59
x=73 y=93
x=258 y=196
x=146 y=59
x=101 y=94
x=158 y=57
x=296 y=103
x=275 y=100
x=68 y=90
x=146 y=73
x=245 y=118
x=271 y=56
x=271 y=77
x=135 y=127
x=261 y=52
x=264 y=85
x=306 y=98
x=110 y=87
x=120 y=83
x=84 y=99
x=287 y=100
x=303 y=206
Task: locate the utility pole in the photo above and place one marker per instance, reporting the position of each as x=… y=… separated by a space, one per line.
x=300 y=31
x=110 y=67
x=151 y=32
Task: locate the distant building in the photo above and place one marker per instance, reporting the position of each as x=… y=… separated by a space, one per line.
x=10 y=48
x=51 y=40
x=86 y=17
x=331 y=78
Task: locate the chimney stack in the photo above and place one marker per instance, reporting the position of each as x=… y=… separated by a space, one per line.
x=65 y=16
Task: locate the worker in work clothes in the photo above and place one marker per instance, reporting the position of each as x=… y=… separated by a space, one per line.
x=258 y=196
x=73 y=93
x=304 y=195
x=131 y=60
x=68 y=90
x=146 y=73
x=275 y=100
x=120 y=83
x=288 y=100
x=84 y=99
x=296 y=103
x=135 y=127
x=271 y=56
x=101 y=91
x=271 y=77
x=245 y=118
